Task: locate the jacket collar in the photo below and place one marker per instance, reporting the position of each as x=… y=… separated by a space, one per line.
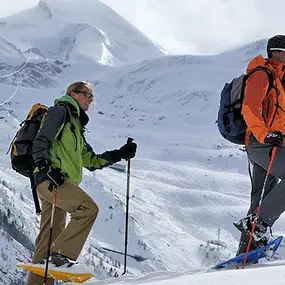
x=279 y=67
x=74 y=108
x=84 y=119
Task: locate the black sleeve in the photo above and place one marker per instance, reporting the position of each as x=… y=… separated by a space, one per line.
x=55 y=117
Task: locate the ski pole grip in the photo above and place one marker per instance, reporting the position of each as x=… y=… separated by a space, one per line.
x=130 y=140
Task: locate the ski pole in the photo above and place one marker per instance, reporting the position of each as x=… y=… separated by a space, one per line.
x=127 y=209
x=50 y=236
x=259 y=206
x=138 y=258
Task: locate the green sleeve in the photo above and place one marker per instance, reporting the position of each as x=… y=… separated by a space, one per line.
x=93 y=161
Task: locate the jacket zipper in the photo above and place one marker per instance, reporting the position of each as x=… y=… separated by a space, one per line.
x=268 y=108
x=276 y=111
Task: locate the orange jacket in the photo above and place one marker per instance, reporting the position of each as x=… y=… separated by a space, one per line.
x=264 y=113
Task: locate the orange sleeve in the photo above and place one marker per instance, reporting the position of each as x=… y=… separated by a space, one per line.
x=255 y=91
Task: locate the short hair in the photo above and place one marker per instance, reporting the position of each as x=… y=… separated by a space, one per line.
x=78 y=86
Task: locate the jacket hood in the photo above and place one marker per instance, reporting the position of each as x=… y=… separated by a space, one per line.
x=66 y=99
x=74 y=108
x=273 y=65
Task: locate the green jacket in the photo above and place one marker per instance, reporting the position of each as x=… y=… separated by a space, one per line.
x=61 y=141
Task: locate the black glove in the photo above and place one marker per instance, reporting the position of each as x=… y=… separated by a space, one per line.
x=128 y=150
x=275 y=138
x=46 y=172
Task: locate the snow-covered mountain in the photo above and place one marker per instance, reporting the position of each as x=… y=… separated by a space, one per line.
x=83 y=31
x=9 y=50
x=187 y=184
x=37 y=44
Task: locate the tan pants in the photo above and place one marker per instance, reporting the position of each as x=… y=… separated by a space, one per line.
x=65 y=240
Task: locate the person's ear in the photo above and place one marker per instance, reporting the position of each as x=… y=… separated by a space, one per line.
x=72 y=94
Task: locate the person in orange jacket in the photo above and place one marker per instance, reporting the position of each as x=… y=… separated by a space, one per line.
x=264 y=113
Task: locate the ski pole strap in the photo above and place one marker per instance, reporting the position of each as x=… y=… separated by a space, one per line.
x=35 y=195
x=36 y=201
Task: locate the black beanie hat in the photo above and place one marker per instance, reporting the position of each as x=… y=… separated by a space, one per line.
x=276 y=43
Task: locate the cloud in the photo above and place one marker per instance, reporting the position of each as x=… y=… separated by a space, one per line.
x=192 y=26
x=204 y=26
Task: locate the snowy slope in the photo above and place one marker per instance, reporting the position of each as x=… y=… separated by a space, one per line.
x=187 y=184
x=83 y=31
x=273 y=274
x=9 y=50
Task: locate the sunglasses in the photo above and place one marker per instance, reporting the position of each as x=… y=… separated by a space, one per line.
x=85 y=93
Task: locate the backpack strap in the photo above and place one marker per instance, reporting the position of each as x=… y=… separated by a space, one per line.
x=67 y=119
x=269 y=75
x=68 y=113
x=35 y=194
x=270 y=86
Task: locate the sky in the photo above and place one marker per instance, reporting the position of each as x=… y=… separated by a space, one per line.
x=8 y=7
x=196 y=27
x=204 y=26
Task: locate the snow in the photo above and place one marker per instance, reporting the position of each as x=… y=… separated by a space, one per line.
x=84 y=31
x=273 y=274
x=188 y=185
x=7 y=49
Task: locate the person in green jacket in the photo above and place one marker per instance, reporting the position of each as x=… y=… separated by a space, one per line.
x=60 y=152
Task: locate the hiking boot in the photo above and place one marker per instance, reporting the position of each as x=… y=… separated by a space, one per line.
x=254 y=245
x=261 y=233
x=243 y=243
x=59 y=260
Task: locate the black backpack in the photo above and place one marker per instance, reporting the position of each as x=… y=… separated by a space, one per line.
x=21 y=146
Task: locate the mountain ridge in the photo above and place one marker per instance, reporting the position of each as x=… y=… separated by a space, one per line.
x=80 y=32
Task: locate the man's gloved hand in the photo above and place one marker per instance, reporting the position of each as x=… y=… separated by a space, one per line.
x=128 y=150
x=55 y=176
x=275 y=138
